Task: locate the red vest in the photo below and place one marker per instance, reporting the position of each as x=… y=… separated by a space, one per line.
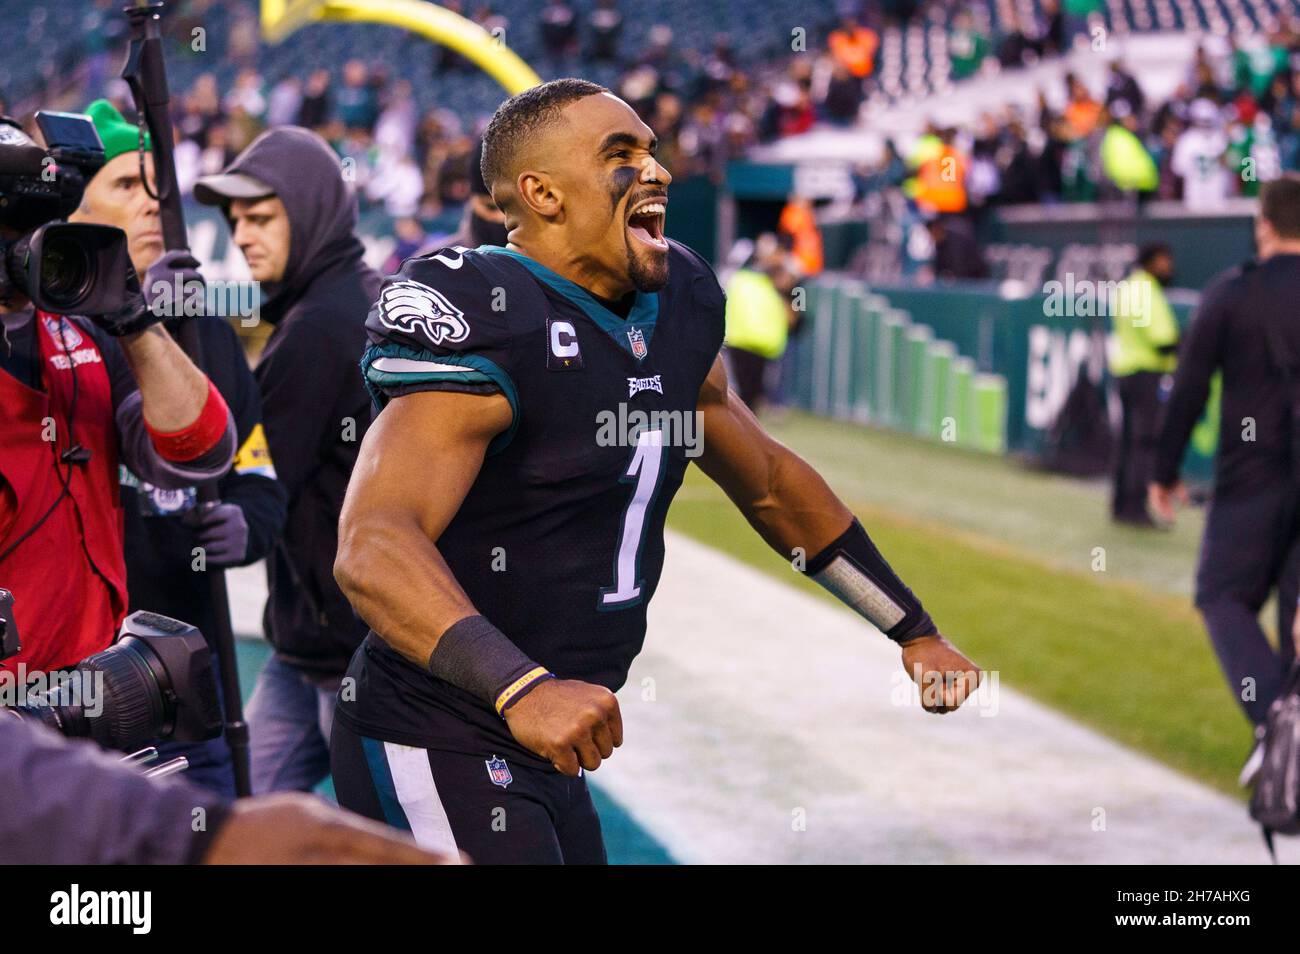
x=69 y=577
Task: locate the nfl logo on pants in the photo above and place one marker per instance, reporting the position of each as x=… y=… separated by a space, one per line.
x=498 y=771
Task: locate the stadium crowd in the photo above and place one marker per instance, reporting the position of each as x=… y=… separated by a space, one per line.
x=1231 y=124
x=708 y=105
x=1234 y=122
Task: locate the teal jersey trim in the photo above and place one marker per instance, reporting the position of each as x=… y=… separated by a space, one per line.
x=469 y=369
x=642 y=317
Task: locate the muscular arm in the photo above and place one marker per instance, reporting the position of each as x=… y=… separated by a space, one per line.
x=397 y=505
x=790 y=506
x=416 y=464
x=782 y=497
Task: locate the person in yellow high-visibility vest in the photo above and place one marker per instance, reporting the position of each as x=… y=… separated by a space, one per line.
x=1143 y=353
x=759 y=318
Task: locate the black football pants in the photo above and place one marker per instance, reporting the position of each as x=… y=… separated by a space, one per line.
x=1250 y=547
x=494 y=810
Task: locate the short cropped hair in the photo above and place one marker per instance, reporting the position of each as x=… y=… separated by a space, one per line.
x=1279 y=204
x=521 y=116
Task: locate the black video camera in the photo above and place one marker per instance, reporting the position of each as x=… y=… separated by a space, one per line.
x=156 y=682
x=61 y=267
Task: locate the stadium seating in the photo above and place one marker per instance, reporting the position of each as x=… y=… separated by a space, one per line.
x=56 y=25
x=912 y=64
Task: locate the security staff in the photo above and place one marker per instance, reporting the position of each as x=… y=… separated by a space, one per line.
x=165 y=525
x=759 y=319
x=1250 y=543
x=1144 y=351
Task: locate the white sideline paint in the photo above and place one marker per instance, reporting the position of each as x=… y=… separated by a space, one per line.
x=768 y=701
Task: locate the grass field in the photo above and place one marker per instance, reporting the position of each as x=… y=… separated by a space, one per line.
x=1004 y=559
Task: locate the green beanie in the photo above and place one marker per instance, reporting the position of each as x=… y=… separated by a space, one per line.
x=117 y=135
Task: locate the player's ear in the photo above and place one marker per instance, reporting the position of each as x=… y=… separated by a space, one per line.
x=538 y=192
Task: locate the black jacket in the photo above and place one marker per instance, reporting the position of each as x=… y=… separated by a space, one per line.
x=159 y=544
x=1228 y=334
x=313 y=401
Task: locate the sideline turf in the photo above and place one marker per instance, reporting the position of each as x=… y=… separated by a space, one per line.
x=1003 y=558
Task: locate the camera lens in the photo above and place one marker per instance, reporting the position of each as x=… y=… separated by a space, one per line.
x=67 y=271
x=122 y=698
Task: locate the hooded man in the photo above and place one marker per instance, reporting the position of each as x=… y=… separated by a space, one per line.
x=293 y=216
x=165 y=524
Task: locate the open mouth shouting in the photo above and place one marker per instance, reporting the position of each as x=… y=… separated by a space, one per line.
x=645 y=222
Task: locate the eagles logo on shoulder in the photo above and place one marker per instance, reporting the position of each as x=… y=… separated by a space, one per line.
x=412 y=308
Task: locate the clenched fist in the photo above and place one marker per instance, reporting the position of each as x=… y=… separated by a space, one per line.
x=946 y=677
x=571 y=723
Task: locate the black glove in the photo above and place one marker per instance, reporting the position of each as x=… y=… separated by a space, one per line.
x=133 y=316
x=222 y=531
x=157 y=301
x=176 y=271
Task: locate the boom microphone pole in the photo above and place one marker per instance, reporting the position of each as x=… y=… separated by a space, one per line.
x=146 y=74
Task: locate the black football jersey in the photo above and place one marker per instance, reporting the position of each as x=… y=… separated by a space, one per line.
x=559 y=541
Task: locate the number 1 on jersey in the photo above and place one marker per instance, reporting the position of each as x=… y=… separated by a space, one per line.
x=645 y=468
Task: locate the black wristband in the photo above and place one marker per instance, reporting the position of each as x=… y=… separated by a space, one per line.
x=854 y=571
x=476 y=656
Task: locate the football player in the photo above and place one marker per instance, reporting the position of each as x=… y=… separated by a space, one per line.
x=503 y=531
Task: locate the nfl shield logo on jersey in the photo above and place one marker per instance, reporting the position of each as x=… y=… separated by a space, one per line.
x=637 y=340
x=498 y=771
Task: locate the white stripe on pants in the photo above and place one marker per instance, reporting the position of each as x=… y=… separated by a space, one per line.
x=418 y=796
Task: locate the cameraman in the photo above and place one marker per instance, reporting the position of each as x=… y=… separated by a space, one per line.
x=78 y=396
x=163 y=525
